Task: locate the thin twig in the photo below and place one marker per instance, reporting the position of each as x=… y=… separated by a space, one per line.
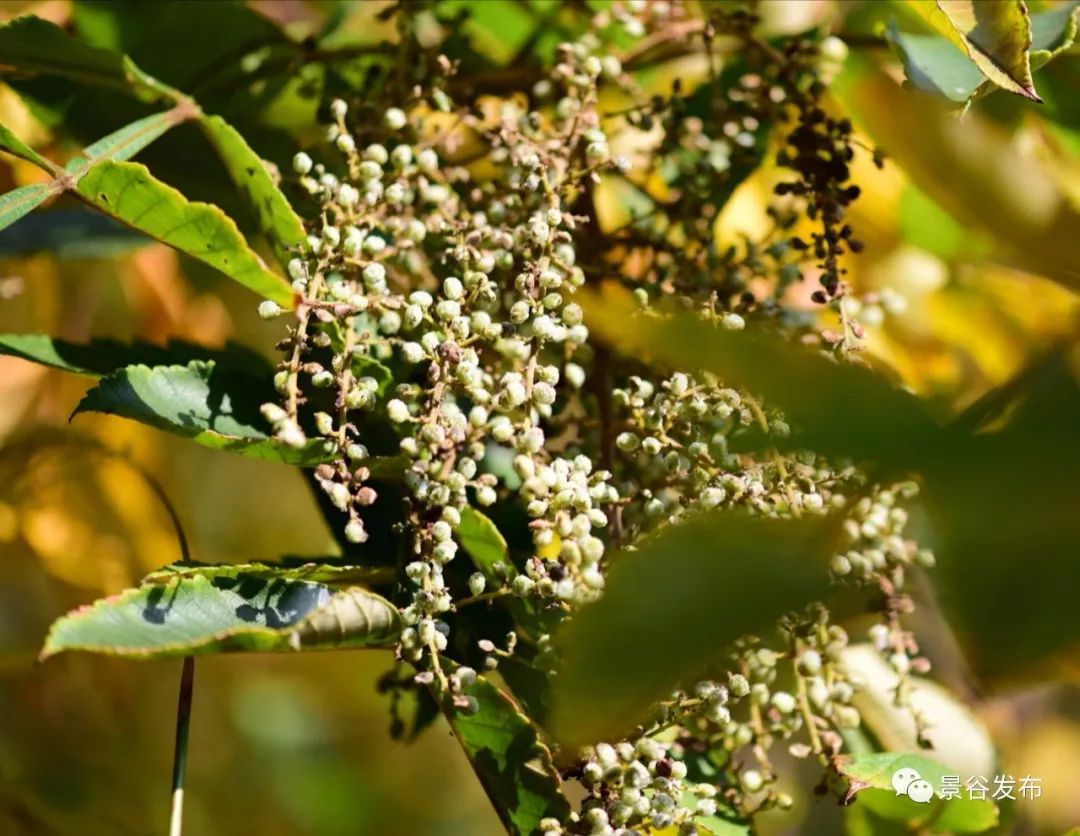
x=183 y=725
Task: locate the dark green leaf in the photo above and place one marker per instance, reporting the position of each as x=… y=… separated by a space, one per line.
x=224 y=609
x=277 y=220
x=100 y=357
x=513 y=766
x=32 y=46
x=670 y=607
x=213 y=406
x=870 y=777
x=128 y=192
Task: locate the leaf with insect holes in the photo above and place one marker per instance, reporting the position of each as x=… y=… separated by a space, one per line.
x=226 y=608
x=129 y=193
x=277 y=220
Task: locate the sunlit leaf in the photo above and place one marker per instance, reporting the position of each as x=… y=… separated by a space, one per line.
x=311 y=570
x=513 y=766
x=129 y=193
x=871 y=775
x=277 y=220
x=13 y=145
x=996 y=36
x=483 y=541
x=17 y=203
x=672 y=605
x=226 y=609
x=213 y=406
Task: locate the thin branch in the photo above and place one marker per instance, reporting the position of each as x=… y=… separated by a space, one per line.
x=183 y=725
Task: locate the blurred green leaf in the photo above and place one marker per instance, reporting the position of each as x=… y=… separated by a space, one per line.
x=13 y=145
x=224 y=609
x=277 y=220
x=513 y=766
x=926 y=225
x=70 y=232
x=671 y=606
x=18 y=202
x=973 y=169
x=32 y=46
x=832 y=407
x=996 y=36
x=100 y=357
x=213 y=406
x=129 y=193
x=189 y=45
x=870 y=777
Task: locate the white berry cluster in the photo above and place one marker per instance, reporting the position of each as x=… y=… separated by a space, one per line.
x=437 y=309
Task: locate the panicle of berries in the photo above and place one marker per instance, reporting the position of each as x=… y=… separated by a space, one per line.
x=437 y=308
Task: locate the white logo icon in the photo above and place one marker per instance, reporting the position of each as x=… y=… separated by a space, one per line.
x=906 y=781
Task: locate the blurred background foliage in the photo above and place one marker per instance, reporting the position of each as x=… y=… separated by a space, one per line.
x=301 y=745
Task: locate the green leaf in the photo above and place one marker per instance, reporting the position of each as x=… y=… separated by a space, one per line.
x=483 y=541
x=32 y=46
x=213 y=406
x=934 y=64
x=996 y=36
x=130 y=139
x=13 y=145
x=513 y=766
x=277 y=220
x=15 y=204
x=672 y=605
x=832 y=407
x=328 y=571
x=128 y=192
x=870 y=777
x=221 y=609
x=100 y=357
